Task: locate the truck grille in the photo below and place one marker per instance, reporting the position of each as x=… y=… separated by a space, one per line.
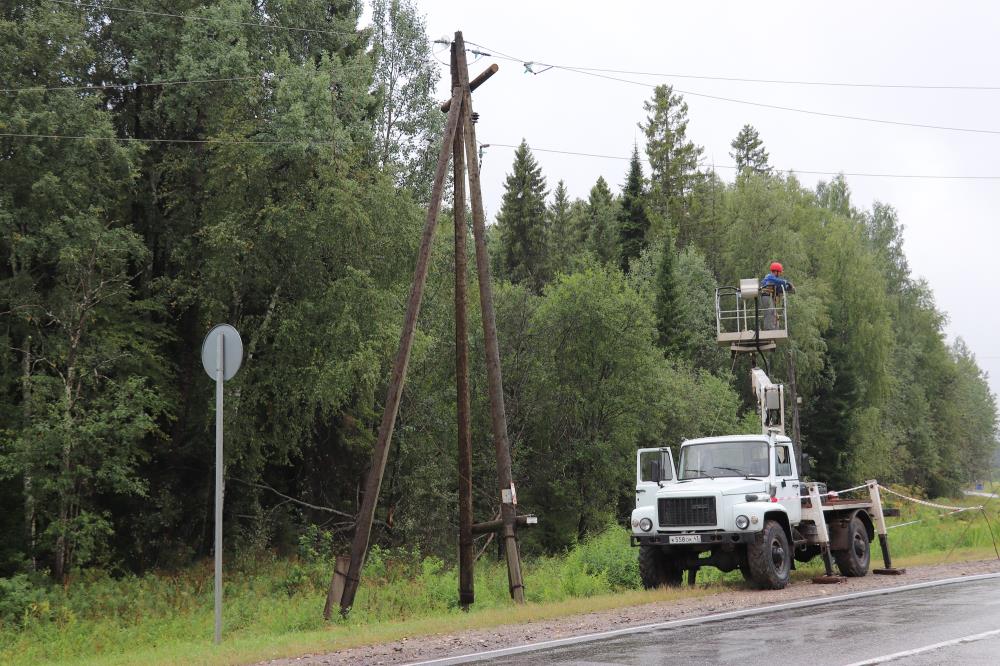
x=686 y=511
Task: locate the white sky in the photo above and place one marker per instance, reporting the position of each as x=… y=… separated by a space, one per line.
x=950 y=236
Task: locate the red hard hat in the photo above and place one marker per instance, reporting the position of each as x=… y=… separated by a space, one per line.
x=775 y=266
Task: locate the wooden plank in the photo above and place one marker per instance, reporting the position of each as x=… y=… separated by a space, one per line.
x=476 y=82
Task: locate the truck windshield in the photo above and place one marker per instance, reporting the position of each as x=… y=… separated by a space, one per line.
x=714 y=459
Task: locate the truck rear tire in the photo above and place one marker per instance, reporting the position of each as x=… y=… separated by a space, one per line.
x=770 y=560
x=855 y=560
x=656 y=569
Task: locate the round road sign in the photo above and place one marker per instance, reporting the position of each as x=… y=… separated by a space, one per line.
x=232 y=351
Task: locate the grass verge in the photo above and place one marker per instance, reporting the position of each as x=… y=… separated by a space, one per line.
x=273 y=607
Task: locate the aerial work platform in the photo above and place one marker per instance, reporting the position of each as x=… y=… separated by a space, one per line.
x=749 y=319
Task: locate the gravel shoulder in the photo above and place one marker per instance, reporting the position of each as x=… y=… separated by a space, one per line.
x=420 y=648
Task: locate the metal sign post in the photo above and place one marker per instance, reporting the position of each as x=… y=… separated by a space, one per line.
x=221 y=356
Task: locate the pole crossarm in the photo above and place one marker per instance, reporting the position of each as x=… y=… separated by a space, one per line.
x=475 y=83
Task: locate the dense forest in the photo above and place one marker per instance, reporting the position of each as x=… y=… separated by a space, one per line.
x=160 y=174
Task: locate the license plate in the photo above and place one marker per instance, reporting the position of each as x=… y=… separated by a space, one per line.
x=686 y=538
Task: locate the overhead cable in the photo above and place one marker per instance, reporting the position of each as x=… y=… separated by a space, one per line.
x=206 y=19
x=178 y=82
x=733 y=100
x=787 y=171
x=225 y=142
x=738 y=79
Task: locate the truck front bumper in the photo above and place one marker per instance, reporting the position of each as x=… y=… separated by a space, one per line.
x=705 y=539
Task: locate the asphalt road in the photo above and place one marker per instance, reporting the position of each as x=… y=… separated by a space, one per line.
x=957 y=623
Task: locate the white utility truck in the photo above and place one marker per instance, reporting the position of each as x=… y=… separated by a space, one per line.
x=738 y=501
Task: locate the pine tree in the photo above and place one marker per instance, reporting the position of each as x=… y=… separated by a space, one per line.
x=748 y=152
x=522 y=223
x=633 y=222
x=667 y=300
x=673 y=158
x=602 y=218
x=560 y=230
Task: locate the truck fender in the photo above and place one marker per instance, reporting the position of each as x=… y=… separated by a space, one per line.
x=639 y=513
x=763 y=512
x=779 y=515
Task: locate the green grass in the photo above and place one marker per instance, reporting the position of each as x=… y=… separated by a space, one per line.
x=273 y=608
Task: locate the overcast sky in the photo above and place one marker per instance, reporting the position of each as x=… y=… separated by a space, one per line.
x=951 y=238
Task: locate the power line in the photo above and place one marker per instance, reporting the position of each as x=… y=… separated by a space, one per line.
x=128 y=86
x=737 y=79
x=206 y=19
x=312 y=142
x=788 y=171
x=124 y=86
x=225 y=142
x=765 y=105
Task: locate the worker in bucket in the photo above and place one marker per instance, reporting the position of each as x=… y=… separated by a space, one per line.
x=772 y=288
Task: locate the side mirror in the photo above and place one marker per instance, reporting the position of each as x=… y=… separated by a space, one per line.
x=807 y=464
x=654 y=470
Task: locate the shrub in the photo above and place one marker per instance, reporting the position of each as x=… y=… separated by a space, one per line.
x=608 y=555
x=19 y=597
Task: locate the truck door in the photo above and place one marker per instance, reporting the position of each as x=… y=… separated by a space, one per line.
x=787 y=478
x=653 y=469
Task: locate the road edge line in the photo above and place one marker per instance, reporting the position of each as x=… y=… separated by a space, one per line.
x=702 y=619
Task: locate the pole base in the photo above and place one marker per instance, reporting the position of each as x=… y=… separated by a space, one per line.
x=828 y=579
x=889 y=571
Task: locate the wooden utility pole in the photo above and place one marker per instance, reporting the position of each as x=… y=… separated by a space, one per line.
x=459 y=142
x=466 y=546
x=508 y=498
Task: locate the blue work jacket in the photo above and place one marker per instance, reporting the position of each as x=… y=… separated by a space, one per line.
x=780 y=285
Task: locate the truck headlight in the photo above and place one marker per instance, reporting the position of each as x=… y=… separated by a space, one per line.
x=742 y=522
x=645 y=524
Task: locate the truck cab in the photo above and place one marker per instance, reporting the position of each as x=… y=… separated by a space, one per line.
x=723 y=491
x=730 y=495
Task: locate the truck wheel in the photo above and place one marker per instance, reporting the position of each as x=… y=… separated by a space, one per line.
x=770 y=560
x=744 y=563
x=656 y=569
x=855 y=560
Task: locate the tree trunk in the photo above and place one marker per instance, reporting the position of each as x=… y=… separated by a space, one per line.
x=29 y=494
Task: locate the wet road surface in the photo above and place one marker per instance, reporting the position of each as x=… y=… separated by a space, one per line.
x=948 y=624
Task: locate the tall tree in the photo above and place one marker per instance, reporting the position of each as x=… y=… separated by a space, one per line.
x=560 y=229
x=602 y=217
x=521 y=221
x=885 y=233
x=673 y=158
x=749 y=153
x=68 y=267
x=633 y=221
x=407 y=122
x=835 y=195
x=670 y=335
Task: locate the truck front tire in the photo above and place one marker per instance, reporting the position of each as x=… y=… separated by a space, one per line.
x=855 y=560
x=656 y=569
x=770 y=559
